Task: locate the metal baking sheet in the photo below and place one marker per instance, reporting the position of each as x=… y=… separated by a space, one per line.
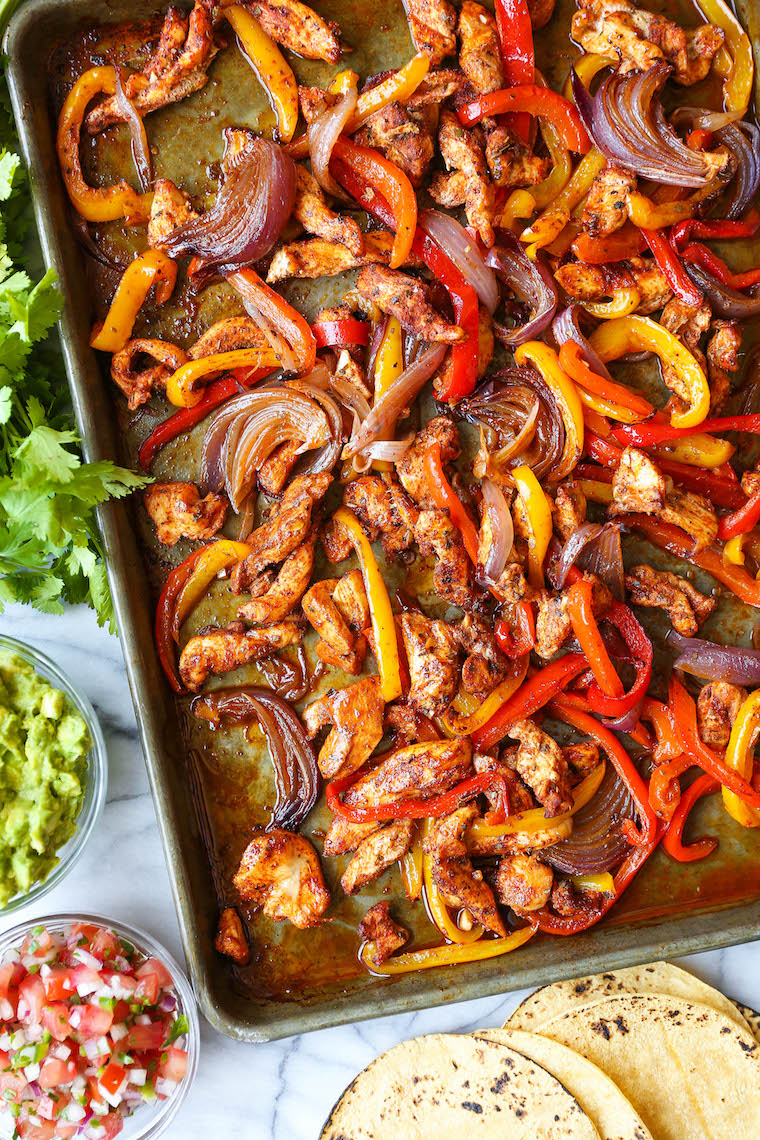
x=199 y=787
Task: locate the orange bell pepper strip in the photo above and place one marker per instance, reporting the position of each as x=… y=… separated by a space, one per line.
x=94 y=205
x=446 y=500
x=450 y=955
x=529 y=698
x=534 y=100
x=270 y=65
x=661 y=719
x=672 y=840
x=624 y=243
x=664 y=788
x=286 y=319
x=181 y=387
x=151 y=268
x=212 y=559
x=581 y=614
x=381 y=174
x=572 y=362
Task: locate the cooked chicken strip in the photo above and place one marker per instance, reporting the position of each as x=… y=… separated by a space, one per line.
x=584 y=282
x=511 y=162
x=520 y=796
x=606 y=208
x=378 y=928
x=343 y=836
x=688 y=324
x=637 y=485
x=553 y=626
x=316 y=217
x=170 y=208
x=285 y=529
x=722 y=358
x=642 y=38
x=480 y=50
x=275 y=470
x=410 y=468
x=406 y=298
x=693 y=513
x=687 y=608
x=139 y=384
x=376 y=854
x=432 y=24
x=384 y=511
x=403 y=136
x=280 y=874
x=438 y=538
x=298 y=28
x=453 y=873
x=320 y=258
x=542 y=765
x=523 y=883
x=416 y=771
x=338 y=610
x=178 y=511
x=486 y=665
x=356 y=714
x=463 y=153
x=230 y=937
x=517 y=841
x=178 y=67
x=718 y=706
x=433 y=653
x=227 y=335
x=287 y=588
x=323 y=613
x=569 y=509
x=221 y=650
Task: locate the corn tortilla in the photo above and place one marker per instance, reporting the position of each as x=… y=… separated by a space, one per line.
x=752 y=1017
x=691 y=1072
x=456 y=1088
x=612 y=1114
x=656 y=978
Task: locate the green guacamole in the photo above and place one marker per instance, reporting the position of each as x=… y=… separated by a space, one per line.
x=43 y=772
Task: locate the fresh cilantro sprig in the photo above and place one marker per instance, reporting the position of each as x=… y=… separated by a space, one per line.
x=50 y=548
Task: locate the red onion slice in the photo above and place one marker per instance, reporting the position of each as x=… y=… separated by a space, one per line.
x=565 y=327
x=743 y=140
x=726 y=302
x=140 y=148
x=597 y=843
x=322 y=134
x=501 y=528
x=603 y=556
x=530 y=281
x=580 y=538
x=714 y=662
x=463 y=250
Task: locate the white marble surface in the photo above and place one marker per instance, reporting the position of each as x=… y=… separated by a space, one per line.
x=281 y=1091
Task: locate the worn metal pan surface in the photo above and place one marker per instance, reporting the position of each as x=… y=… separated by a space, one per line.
x=210 y=792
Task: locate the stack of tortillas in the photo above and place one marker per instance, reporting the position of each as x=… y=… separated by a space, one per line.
x=648 y=1053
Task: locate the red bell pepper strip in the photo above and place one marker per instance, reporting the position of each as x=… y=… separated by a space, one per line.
x=517 y=54
x=581 y=614
x=624 y=243
x=685 y=720
x=682 y=232
x=368 y=197
x=664 y=788
x=218 y=392
x=541 y=101
x=431 y=808
x=173 y=586
x=446 y=500
x=530 y=697
x=650 y=434
x=641 y=650
x=699 y=139
x=672 y=840
x=602 y=450
x=464 y=355
x=370 y=168
x=741 y=521
x=566 y=710
x=518 y=637
x=344 y=333
x=699 y=254
x=676 y=276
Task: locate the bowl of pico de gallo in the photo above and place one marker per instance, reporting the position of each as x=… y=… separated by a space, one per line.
x=99 y=1032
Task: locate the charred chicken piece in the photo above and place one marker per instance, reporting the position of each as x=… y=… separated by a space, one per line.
x=584 y=282
x=377 y=853
x=520 y=796
x=467 y=183
x=416 y=771
x=169 y=209
x=139 y=384
x=480 y=50
x=405 y=298
x=285 y=592
x=569 y=509
x=403 y=136
x=523 y=883
x=688 y=323
x=718 y=706
x=722 y=359
x=541 y=764
x=356 y=716
x=280 y=874
x=606 y=208
x=338 y=610
x=320 y=258
x=227 y=335
x=230 y=937
x=453 y=873
x=221 y=650
x=692 y=513
x=287 y=528
x=432 y=24
x=298 y=28
x=378 y=928
x=316 y=217
x=637 y=485
x=178 y=511
x=275 y=471
x=343 y=835
x=384 y=512
x=410 y=468
x=486 y=665
x=433 y=653
x=687 y=608
x=437 y=537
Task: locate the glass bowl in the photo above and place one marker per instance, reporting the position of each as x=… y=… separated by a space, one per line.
x=95 y=790
x=149 y=1120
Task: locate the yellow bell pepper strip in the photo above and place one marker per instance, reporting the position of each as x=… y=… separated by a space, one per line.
x=480 y=715
x=151 y=268
x=94 y=205
x=561 y=166
x=698 y=450
x=389 y=364
x=601 y=407
x=596 y=491
x=215 y=557
x=537 y=101
x=539 y=514
x=519 y=205
x=450 y=955
x=181 y=386
x=269 y=63
x=602 y=883
x=631 y=334
x=733 y=550
x=411 y=870
x=623 y=303
x=550 y=224
x=586 y=67
x=529 y=698
x=437 y=908
x=534 y=819
x=650 y=215
x=740 y=757
x=544 y=360
x=383 y=624
x=343 y=82
x=370 y=168
x=737 y=88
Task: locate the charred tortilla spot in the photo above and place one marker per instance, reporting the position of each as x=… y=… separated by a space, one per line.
x=602 y=1029
x=472 y=1106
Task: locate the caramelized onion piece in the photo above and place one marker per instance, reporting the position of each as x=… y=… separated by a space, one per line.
x=597 y=843
x=140 y=148
x=322 y=134
x=501 y=528
x=463 y=250
x=504 y=407
x=530 y=281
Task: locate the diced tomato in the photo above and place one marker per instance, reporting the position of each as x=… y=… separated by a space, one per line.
x=144 y=1037
x=86 y=976
x=147 y=989
x=127 y=983
x=121 y=1012
x=113 y=1124
x=15 y=1083
x=43 y=1130
x=90 y=1021
x=10 y=976
x=175 y=1065
x=113 y=1077
x=105 y=945
x=86 y=930
x=153 y=966
x=31 y=999
x=59 y=983
x=55 y=1018
x=56 y=1072
x=64 y=1129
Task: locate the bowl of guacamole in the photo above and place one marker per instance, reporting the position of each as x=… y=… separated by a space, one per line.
x=52 y=774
